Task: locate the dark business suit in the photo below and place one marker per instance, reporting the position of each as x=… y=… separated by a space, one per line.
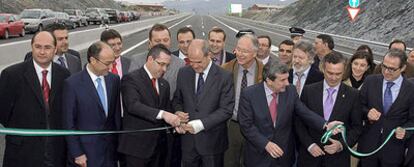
x=22 y=106
x=258 y=129
x=346 y=109
x=214 y=106
x=84 y=111
x=401 y=113
x=409 y=157
x=313 y=76
x=74 y=63
x=126 y=64
x=141 y=107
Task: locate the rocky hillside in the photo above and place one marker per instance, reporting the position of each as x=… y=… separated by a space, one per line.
x=378 y=20
x=16 y=6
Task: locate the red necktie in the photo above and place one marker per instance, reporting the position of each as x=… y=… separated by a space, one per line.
x=45 y=87
x=187 y=61
x=114 y=70
x=273 y=107
x=154 y=82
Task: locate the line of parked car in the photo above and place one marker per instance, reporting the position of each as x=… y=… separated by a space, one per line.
x=33 y=20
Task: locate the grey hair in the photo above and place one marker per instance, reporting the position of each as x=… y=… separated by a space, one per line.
x=306 y=47
x=254 y=40
x=272 y=68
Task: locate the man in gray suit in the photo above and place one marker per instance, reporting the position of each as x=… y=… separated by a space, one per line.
x=159 y=34
x=204 y=91
x=62 y=56
x=122 y=64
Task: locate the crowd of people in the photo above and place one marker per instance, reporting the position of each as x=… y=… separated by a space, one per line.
x=244 y=107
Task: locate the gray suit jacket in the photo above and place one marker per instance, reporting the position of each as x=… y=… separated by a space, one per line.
x=214 y=106
x=126 y=64
x=74 y=64
x=171 y=75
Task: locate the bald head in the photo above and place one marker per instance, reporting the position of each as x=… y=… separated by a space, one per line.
x=43 y=48
x=198 y=55
x=198 y=46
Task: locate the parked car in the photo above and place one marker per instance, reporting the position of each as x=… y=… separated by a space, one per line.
x=10 y=24
x=36 y=19
x=124 y=16
x=63 y=18
x=97 y=16
x=136 y=15
x=77 y=16
x=114 y=15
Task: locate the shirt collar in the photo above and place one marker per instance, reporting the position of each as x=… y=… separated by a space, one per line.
x=251 y=69
x=56 y=57
x=40 y=69
x=148 y=72
x=268 y=91
x=397 y=82
x=326 y=86
x=181 y=54
x=92 y=75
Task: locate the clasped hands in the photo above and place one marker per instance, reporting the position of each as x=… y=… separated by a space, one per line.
x=179 y=121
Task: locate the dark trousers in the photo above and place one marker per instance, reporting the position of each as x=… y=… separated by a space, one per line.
x=233 y=157
x=174 y=149
x=157 y=159
x=194 y=159
x=375 y=161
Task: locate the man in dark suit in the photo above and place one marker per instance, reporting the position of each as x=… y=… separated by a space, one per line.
x=92 y=102
x=247 y=70
x=324 y=44
x=204 y=91
x=114 y=40
x=266 y=116
x=30 y=97
x=147 y=105
x=333 y=101
x=302 y=72
x=386 y=104
x=62 y=56
x=184 y=37
x=216 y=40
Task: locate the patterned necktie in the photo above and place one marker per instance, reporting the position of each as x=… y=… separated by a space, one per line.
x=273 y=108
x=101 y=95
x=244 y=80
x=114 y=70
x=388 y=97
x=61 y=60
x=329 y=103
x=45 y=88
x=298 y=82
x=200 y=83
x=154 y=82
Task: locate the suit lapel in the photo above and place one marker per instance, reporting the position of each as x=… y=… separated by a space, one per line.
x=56 y=76
x=33 y=81
x=378 y=93
x=340 y=99
x=90 y=89
x=281 y=107
x=148 y=83
x=125 y=65
x=108 y=85
x=403 y=93
x=209 y=81
x=263 y=106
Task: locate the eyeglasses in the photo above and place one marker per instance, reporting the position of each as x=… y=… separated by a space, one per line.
x=162 y=64
x=389 y=69
x=244 y=50
x=106 y=64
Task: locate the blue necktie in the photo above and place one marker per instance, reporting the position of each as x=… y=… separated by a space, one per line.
x=101 y=95
x=388 y=97
x=62 y=61
x=200 y=83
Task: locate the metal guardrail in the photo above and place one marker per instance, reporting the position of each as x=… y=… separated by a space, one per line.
x=379 y=48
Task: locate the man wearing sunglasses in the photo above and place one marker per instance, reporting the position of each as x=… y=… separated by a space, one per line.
x=386 y=104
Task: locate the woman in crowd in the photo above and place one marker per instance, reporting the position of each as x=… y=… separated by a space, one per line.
x=359 y=66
